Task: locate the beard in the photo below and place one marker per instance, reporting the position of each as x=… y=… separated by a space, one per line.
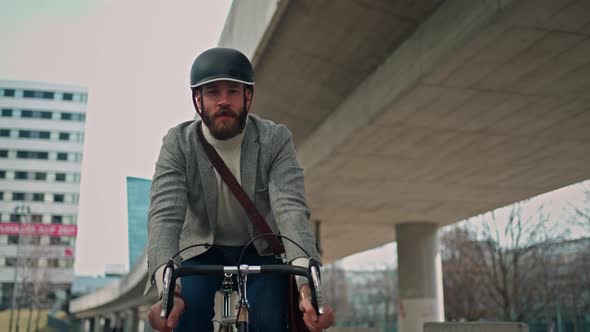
x=224 y=131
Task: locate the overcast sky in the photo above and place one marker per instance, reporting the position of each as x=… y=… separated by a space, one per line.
x=134 y=56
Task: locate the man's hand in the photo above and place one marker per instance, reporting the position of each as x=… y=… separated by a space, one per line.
x=310 y=317
x=166 y=325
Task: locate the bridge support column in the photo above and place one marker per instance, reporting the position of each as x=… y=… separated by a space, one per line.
x=89 y=325
x=420 y=276
x=97 y=324
x=104 y=324
x=132 y=320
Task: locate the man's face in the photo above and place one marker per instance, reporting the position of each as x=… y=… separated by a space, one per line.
x=224 y=110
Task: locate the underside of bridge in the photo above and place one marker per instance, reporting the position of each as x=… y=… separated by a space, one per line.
x=427 y=110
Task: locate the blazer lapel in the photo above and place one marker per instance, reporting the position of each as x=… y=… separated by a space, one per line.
x=209 y=182
x=249 y=159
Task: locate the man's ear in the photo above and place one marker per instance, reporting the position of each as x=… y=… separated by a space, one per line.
x=198 y=98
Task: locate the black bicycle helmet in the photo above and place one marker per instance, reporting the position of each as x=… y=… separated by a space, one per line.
x=217 y=64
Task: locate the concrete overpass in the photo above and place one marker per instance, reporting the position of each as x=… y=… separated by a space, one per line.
x=410 y=115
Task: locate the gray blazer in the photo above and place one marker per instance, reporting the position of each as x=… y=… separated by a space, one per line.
x=183 y=208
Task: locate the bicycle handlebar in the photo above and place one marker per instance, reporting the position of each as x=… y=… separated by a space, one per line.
x=171 y=274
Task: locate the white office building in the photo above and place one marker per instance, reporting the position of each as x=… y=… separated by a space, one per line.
x=41 y=144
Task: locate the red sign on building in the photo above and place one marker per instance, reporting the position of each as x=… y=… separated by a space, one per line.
x=38 y=229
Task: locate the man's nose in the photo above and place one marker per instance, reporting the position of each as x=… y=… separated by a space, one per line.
x=223 y=99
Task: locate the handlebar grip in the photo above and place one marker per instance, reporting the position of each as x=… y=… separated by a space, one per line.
x=168 y=291
x=317 y=299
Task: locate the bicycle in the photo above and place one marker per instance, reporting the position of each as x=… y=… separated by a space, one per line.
x=240 y=273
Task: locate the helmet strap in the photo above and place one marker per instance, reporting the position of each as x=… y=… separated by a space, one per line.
x=247 y=107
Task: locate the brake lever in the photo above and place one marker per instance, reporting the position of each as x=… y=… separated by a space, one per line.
x=317 y=299
x=168 y=291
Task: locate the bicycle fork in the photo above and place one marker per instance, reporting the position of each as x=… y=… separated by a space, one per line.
x=241 y=320
x=227 y=319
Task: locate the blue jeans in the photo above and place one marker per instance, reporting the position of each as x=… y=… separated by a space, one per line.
x=267 y=294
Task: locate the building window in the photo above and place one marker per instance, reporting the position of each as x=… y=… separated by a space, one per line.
x=64 y=136
x=8 y=92
x=1 y=195
x=56 y=219
x=66 y=116
x=32 y=155
x=36 y=218
x=14 y=217
x=2 y=174
x=52 y=262
x=4 y=132
x=30 y=94
x=56 y=241
x=3 y=153
x=10 y=261
x=67 y=96
x=38 y=197
x=38 y=94
x=59 y=198
x=41 y=176
x=60 y=177
x=12 y=239
x=35 y=114
x=6 y=112
x=79 y=117
x=62 y=156
x=18 y=196
x=21 y=175
x=33 y=134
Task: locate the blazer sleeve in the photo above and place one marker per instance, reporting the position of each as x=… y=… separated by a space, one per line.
x=287 y=197
x=168 y=202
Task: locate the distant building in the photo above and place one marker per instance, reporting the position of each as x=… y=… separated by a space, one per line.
x=138 y=202
x=41 y=144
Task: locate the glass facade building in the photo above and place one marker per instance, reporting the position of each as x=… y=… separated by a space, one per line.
x=41 y=144
x=138 y=202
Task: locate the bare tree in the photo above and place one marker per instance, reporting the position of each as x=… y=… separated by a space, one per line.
x=462 y=279
x=572 y=279
x=510 y=254
x=336 y=290
x=582 y=213
x=522 y=267
x=362 y=298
